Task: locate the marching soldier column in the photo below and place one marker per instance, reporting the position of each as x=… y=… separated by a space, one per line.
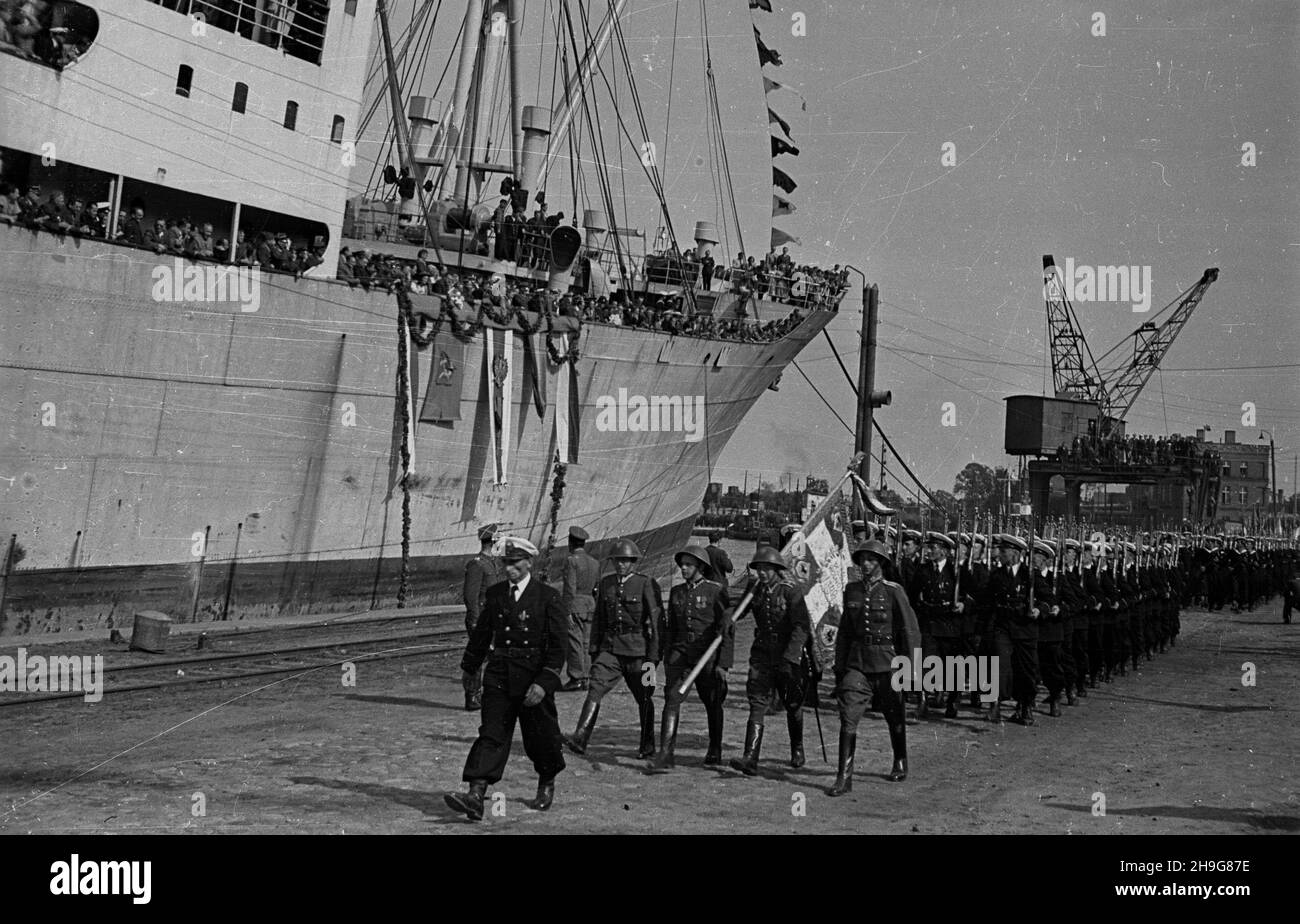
x=1074 y=615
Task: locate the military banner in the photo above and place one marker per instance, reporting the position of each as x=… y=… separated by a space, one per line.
x=818 y=556
x=446 y=379
x=498 y=357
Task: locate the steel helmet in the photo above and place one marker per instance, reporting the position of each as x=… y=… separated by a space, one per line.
x=873 y=547
x=768 y=556
x=697 y=553
x=625 y=548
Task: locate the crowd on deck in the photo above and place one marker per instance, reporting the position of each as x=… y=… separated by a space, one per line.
x=673 y=313
x=58 y=214
x=645 y=311
x=53 y=33
x=1134 y=450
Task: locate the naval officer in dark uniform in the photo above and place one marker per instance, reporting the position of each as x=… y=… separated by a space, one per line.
x=481 y=572
x=876 y=612
x=521 y=634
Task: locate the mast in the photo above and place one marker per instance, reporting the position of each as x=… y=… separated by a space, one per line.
x=516 y=98
x=405 y=150
x=574 y=91
x=455 y=121
x=475 y=141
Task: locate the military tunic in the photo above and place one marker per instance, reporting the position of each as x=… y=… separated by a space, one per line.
x=696 y=615
x=776 y=665
x=1015 y=633
x=624 y=635
x=581 y=575
x=874 y=616
x=1051 y=634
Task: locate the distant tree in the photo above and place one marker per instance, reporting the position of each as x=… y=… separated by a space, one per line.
x=976 y=487
x=943 y=507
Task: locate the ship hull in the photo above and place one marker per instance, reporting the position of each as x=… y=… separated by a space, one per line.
x=153 y=448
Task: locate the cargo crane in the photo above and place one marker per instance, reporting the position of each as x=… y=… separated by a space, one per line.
x=1076 y=374
x=1092 y=397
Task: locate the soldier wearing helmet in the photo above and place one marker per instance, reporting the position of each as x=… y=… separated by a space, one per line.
x=697 y=613
x=876 y=612
x=781 y=627
x=624 y=645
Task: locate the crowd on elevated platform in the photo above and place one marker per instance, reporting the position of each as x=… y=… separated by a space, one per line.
x=1180 y=451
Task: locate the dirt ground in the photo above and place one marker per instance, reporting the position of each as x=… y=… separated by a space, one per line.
x=1182 y=747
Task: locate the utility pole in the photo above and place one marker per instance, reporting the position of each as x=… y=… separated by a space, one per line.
x=868 y=397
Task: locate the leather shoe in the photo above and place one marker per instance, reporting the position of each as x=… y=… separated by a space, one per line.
x=545 y=795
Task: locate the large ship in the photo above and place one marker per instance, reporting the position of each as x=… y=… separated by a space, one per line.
x=219 y=438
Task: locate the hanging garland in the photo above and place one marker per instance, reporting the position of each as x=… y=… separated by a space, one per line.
x=424 y=327
x=557 y=496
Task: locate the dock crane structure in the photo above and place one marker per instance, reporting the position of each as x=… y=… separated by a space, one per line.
x=1092 y=396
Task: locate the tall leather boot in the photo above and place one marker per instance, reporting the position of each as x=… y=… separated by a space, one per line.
x=469 y=803
x=663 y=761
x=647 y=710
x=748 y=764
x=898 y=741
x=794 y=721
x=951 y=711
x=577 y=742
x=844 y=776
x=994 y=713
x=713 y=756
x=545 y=794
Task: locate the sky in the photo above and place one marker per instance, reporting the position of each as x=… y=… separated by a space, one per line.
x=1122 y=149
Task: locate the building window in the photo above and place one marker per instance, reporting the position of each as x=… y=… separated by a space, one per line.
x=1227 y=496
x=350 y=7
x=1227 y=470
x=184 y=78
x=336 y=133
x=1244 y=471
x=1241 y=495
x=291 y=115
x=240 y=102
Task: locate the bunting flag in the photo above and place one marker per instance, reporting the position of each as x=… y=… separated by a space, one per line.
x=781 y=147
x=534 y=375
x=779 y=237
x=765 y=54
x=782 y=179
x=446 y=380
x=496 y=366
x=781 y=206
x=774 y=119
x=566 y=411
x=769 y=85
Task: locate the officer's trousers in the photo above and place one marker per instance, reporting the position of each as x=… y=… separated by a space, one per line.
x=539 y=725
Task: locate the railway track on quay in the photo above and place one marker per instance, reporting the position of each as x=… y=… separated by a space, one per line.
x=249 y=654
